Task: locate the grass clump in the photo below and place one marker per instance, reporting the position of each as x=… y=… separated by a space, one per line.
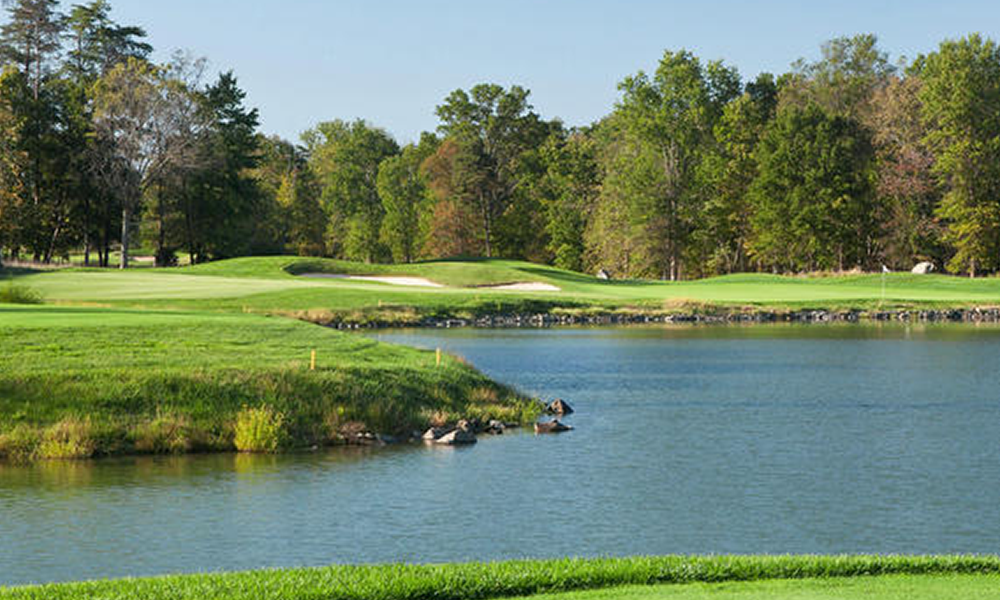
x=259 y=429
x=502 y=579
x=70 y=439
x=19 y=294
x=168 y=433
x=19 y=444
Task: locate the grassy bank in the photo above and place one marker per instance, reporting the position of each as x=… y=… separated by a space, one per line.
x=78 y=382
x=277 y=285
x=526 y=578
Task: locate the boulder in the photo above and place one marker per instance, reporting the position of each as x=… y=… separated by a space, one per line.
x=434 y=433
x=923 y=268
x=495 y=427
x=553 y=426
x=457 y=437
x=559 y=407
x=469 y=425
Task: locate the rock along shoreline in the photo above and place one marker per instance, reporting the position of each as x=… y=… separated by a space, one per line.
x=542 y=320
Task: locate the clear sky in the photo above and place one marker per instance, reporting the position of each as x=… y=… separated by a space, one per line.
x=391 y=62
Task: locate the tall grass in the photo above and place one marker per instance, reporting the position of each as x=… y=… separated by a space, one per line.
x=475 y=581
x=12 y=293
x=259 y=429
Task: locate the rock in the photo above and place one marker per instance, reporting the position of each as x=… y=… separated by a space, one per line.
x=602 y=274
x=553 y=426
x=495 y=427
x=434 y=433
x=923 y=268
x=456 y=437
x=468 y=425
x=559 y=407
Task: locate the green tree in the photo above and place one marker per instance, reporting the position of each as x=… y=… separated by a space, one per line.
x=813 y=196
x=960 y=99
x=672 y=114
x=405 y=197
x=728 y=172
x=346 y=157
x=221 y=205
x=568 y=189
x=494 y=128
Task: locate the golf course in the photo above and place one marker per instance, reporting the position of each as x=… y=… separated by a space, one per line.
x=174 y=360
x=231 y=356
x=315 y=289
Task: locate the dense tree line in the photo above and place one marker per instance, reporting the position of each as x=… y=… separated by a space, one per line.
x=848 y=162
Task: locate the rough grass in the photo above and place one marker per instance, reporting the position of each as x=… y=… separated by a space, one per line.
x=511 y=579
x=273 y=285
x=80 y=382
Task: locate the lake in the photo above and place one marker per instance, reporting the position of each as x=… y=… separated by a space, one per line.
x=753 y=439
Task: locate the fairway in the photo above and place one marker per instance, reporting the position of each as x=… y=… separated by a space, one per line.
x=275 y=285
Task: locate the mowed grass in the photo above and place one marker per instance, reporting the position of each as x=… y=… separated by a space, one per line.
x=723 y=577
x=890 y=587
x=276 y=285
x=78 y=382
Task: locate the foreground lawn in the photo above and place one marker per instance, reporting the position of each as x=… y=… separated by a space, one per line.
x=723 y=577
x=891 y=587
x=78 y=382
x=276 y=285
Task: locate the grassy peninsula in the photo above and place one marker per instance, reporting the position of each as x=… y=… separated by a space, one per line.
x=77 y=382
x=718 y=577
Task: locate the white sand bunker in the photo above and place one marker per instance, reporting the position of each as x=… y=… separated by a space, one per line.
x=535 y=286
x=408 y=281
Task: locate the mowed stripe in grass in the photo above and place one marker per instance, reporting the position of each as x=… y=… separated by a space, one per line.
x=513 y=579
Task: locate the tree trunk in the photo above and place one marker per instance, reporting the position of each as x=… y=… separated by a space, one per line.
x=125 y=233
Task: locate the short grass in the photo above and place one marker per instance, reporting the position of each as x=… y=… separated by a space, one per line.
x=275 y=285
x=787 y=576
x=889 y=587
x=78 y=381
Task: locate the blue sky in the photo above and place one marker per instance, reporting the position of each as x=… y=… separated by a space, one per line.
x=392 y=62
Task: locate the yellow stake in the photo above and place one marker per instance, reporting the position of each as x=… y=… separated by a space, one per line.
x=439 y=357
x=312 y=361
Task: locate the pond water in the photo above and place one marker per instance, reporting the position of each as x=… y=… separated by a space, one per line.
x=761 y=439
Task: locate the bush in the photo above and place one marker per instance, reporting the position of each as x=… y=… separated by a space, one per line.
x=68 y=439
x=19 y=294
x=259 y=429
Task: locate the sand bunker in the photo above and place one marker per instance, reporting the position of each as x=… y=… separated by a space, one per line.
x=408 y=281
x=535 y=286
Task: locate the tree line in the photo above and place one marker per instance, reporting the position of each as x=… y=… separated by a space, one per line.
x=847 y=162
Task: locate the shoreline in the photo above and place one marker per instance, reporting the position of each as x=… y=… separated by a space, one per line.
x=536 y=320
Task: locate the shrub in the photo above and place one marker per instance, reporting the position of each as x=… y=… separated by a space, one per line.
x=19 y=294
x=70 y=438
x=19 y=444
x=259 y=429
